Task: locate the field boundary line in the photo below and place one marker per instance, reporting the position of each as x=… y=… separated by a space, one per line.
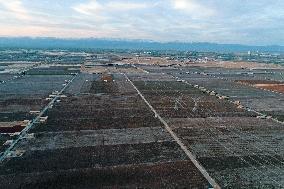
x=183 y=147
x=24 y=132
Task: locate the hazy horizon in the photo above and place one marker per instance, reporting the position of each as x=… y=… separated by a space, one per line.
x=215 y=21
x=132 y=40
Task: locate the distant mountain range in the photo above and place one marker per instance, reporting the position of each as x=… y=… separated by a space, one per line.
x=93 y=43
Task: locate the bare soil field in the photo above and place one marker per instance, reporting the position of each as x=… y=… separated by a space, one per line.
x=207 y=64
x=235 y=65
x=107 y=69
x=269 y=85
x=132 y=126
x=160 y=175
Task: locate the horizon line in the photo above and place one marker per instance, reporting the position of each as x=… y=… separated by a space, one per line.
x=139 y=40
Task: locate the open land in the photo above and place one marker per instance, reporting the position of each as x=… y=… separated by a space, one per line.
x=99 y=120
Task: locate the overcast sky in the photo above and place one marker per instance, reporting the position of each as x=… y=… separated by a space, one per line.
x=255 y=22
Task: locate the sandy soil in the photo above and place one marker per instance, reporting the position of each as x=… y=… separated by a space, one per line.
x=222 y=64
x=269 y=85
x=230 y=64
x=272 y=87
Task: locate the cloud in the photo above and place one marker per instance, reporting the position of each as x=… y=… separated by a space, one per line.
x=23 y=31
x=89 y=8
x=94 y=7
x=114 y=16
x=193 y=8
x=125 y=6
x=16 y=8
x=251 y=22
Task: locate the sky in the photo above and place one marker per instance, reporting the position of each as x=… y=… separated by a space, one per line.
x=251 y=22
